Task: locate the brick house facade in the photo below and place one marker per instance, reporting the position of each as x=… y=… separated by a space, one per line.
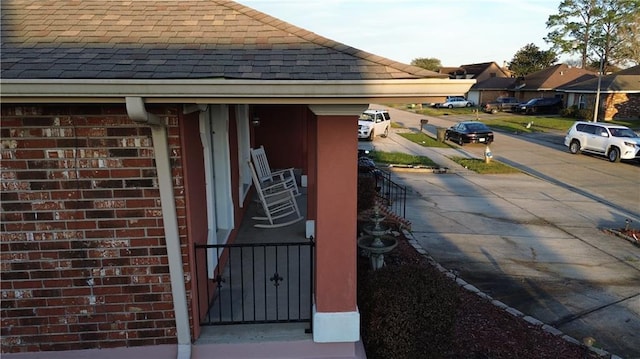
x=105 y=177
x=84 y=262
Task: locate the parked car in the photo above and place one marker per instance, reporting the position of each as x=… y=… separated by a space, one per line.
x=540 y=105
x=502 y=103
x=455 y=101
x=614 y=141
x=373 y=123
x=469 y=132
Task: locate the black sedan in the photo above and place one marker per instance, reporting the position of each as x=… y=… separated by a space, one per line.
x=469 y=132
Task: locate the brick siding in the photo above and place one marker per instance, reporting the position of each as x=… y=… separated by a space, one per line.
x=83 y=257
x=622 y=106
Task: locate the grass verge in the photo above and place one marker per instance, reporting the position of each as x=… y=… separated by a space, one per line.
x=398 y=158
x=479 y=166
x=423 y=139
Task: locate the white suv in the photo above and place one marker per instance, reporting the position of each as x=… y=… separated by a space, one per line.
x=373 y=123
x=614 y=141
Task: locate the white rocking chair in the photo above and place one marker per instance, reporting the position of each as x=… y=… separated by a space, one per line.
x=278 y=202
x=284 y=178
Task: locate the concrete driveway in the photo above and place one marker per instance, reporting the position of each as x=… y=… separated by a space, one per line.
x=533 y=241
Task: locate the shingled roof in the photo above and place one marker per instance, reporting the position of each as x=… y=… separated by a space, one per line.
x=623 y=81
x=553 y=77
x=190 y=39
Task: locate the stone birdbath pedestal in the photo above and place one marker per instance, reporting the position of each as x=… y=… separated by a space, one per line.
x=377 y=241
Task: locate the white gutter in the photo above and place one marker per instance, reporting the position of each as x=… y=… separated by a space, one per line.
x=241 y=90
x=138 y=113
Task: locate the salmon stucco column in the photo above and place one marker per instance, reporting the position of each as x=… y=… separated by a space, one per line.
x=336 y=317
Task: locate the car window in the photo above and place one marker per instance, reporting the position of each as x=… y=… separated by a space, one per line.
x=365 y=117
x=623 y=132
x=590 y=129
x=477 y=127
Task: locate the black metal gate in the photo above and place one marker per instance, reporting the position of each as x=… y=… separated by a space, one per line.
x=258 y=282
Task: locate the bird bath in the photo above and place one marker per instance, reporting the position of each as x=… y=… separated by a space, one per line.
x=377 y=242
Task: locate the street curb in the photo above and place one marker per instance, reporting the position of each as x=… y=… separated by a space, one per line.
x=617 y=233
x=512 y=311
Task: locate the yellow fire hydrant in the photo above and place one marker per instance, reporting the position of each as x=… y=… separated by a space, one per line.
x=487 y=154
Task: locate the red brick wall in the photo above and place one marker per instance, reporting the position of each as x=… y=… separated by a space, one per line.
x=80 y=203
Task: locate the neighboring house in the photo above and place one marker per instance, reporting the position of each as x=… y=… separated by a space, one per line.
x=619 y=94
x=490 y=89
x=126 y=129
x=544 y=83
x=478 y=72
x=488 y=72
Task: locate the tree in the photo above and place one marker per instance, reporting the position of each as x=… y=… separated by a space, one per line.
x=431 y=63
x=599 y=30
x=630 y=34
x=530 y=59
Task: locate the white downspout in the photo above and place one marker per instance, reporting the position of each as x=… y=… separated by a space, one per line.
x=137 y=112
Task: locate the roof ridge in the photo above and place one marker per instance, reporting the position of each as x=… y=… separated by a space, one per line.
x=324 y=41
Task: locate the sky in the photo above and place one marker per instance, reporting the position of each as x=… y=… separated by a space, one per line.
x=455 y=32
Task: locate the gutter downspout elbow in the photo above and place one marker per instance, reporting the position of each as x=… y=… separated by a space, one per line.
x=137 y=112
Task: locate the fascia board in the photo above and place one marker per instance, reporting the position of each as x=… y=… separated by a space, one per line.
x=229 y=89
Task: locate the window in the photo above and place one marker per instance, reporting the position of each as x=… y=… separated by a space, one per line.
x=582 y=103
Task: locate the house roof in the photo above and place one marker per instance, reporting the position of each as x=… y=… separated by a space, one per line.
x=622 y=81
x=199 y=51
x=472 y=69
x=175 y=40
x=552 y=78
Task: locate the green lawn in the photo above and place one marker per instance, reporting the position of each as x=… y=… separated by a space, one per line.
x=479 y=166
x=423 y=139
x=398 y=158
x=510 y=122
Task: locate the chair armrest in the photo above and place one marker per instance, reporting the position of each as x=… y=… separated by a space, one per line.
x=274 y=187
x=282 y=173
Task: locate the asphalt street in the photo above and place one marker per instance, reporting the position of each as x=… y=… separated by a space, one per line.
x=534 y=240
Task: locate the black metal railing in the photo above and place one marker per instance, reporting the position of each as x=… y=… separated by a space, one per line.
x=393 y=195
x=257 y=282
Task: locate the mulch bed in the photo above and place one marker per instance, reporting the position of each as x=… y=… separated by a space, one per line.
x=484 y=330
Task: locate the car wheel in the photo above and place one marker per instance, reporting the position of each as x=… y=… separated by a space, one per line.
x=450 y=106
x=468 y=104
x=494 y=111
x=574 y=147
x=614 y=154
x=460 y=141
x=371 y=135
x=386 y=132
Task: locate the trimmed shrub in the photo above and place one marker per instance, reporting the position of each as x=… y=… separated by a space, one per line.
x=575 y=112
x=407 y=312
x=366 y=192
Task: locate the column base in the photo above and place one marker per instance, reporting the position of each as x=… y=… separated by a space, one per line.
x=337 y=327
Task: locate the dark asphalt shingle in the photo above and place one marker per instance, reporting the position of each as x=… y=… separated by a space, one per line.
x=190 y=39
